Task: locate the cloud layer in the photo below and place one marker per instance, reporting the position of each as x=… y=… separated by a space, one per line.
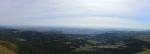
x=76 y=13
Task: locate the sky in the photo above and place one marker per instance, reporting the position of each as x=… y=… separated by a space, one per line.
x=76 y=13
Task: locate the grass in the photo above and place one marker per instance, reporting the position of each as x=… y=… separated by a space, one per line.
x=146 y=51
x=7 y=48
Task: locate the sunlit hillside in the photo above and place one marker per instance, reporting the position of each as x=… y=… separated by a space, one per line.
x=7 y=48
x=146 y=51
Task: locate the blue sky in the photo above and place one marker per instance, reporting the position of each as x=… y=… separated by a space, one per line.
x=76 y=13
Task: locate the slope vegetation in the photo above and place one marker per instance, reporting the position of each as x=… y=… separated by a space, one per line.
x=7 y=48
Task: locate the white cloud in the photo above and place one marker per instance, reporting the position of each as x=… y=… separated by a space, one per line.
x=37 y=8
x=68 y=7
x=15 y=13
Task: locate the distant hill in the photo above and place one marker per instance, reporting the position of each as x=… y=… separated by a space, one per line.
x=144 y=37
x=70 y=30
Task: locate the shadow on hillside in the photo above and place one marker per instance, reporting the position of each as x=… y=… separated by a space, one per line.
x=133 y=46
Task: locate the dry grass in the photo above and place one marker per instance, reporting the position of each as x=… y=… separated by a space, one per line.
x=7 y=48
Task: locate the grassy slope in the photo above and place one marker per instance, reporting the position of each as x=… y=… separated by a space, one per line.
x=7 y=48
x=144 y=38
x=146 y=51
